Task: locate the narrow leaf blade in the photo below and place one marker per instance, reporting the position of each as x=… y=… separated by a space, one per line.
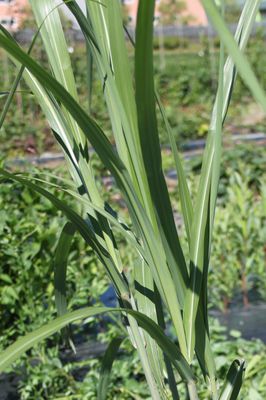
x=234 y=380
x=13 y=352
x=106 y=368
x=60 y=267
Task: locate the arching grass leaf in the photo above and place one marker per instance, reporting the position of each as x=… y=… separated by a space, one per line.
x=13 y=352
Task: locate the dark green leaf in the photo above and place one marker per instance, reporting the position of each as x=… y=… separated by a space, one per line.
x=106 y=368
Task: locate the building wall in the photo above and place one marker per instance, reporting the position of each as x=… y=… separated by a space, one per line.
x=12 y=13
x=194 y=13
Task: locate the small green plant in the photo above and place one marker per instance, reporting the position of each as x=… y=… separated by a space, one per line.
x=160 y=281
x=238 y=231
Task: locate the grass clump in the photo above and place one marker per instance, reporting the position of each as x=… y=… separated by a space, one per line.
x=163 y=281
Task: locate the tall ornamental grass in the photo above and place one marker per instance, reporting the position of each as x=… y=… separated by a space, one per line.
x=161 y=283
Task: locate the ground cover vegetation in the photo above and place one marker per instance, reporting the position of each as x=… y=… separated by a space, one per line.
x=161 y=284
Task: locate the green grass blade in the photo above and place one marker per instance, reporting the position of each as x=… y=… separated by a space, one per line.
x=60 y=267
x=13 y=352
x=55 y=44
x=106 y=368
x=89 y=58
x=185 y=198
x=121 y=67
x=202 y=347
x=148 y=130
x=60 y=272
x=147 y=304
x=52 y=32
x=235 y=53
x=204 y=353
x=202 y=326
x=169 y=368
x=234 y=380
x=197 y=257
